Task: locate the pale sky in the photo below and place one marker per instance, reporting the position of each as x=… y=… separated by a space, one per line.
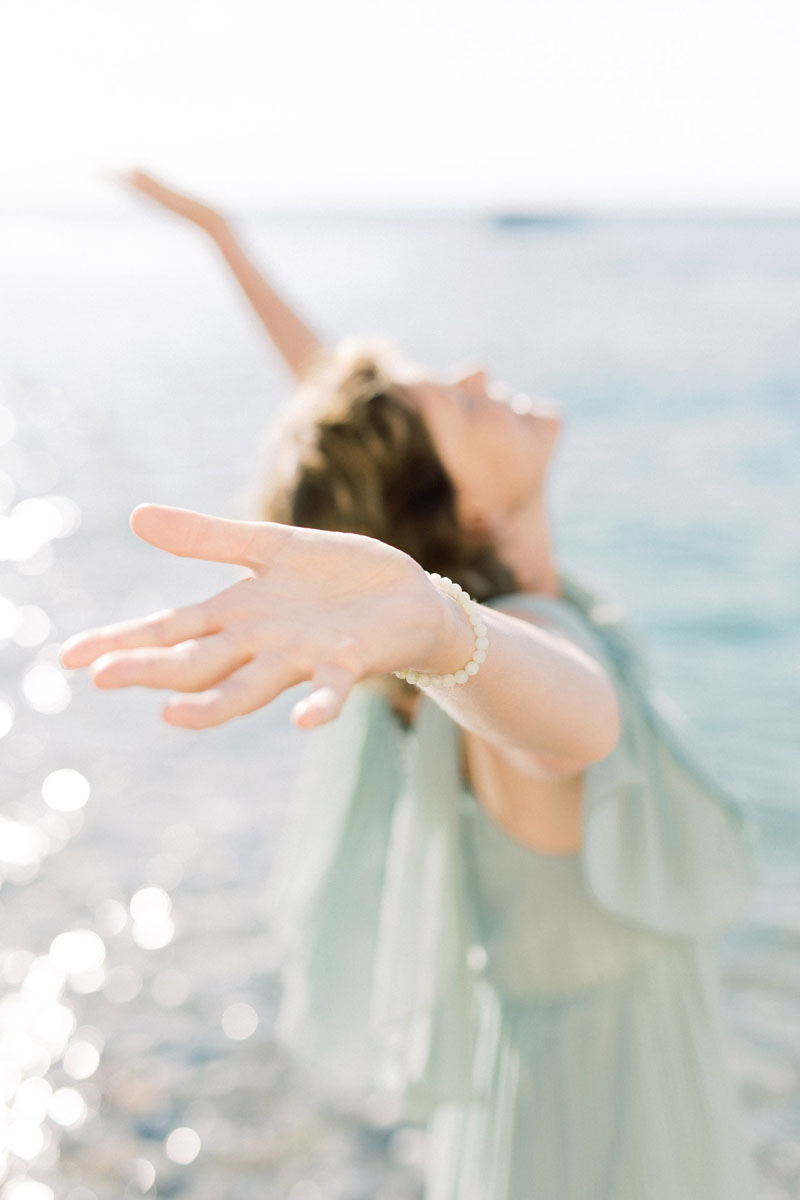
x=424 y=103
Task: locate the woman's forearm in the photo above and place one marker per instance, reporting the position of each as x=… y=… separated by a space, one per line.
x=535 y=691
x=297 y=344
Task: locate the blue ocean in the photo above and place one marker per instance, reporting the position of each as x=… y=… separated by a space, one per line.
x=139 y=984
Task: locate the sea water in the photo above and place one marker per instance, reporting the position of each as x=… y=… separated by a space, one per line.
x=139 y=983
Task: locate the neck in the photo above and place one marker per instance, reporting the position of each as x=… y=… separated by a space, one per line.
x=524 y=543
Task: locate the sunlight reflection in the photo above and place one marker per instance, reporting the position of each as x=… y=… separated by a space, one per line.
x=239 y=1021
x=27 y=1189
x=32 y=1099
x=26 y=1139
x=65 y=790
x=37 y=520
x=33 y=625
x=88 y=981
x=67 y=1107
x=155 y=936
x=183 y=1145
x=53 y=1027
x=44 y=980
x=81 y=1060
x=153 y=927
x=21 y=1051
x=150 y=906
x=144 y=1174
x=40 y=519
x=21 y=845
x=77 y=952
x=46 y=689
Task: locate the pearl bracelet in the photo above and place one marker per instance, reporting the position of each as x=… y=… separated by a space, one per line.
x=472 y=609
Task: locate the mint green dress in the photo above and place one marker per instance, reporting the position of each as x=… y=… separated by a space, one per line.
x=555 y=1020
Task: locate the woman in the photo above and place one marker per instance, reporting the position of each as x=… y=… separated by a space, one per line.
x=497 y=886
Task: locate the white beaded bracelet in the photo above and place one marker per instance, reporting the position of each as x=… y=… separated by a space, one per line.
x=472 y=609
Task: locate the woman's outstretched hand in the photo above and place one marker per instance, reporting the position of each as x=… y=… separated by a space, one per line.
x=333 y=608
x=184 y=206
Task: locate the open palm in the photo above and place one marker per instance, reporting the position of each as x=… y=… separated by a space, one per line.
x=323 y=606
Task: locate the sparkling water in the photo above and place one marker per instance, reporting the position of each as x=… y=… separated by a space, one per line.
x=139 y=983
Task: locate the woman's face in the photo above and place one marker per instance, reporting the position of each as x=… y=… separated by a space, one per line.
x=494 y=443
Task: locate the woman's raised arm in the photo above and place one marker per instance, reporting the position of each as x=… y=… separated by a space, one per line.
x=336 y=608
x=297 y=344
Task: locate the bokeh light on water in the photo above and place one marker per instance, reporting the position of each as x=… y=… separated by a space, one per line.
x=45 y=688
x=27 y=1189
x=66 y=790
x=40 y=1039
x=32 y=524
x=239 y=1021
x=183 y=1145
x=153 y=927
x=135 y=1048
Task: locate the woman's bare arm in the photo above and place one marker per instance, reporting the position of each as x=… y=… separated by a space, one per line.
x=336 y=608
x=538 y=698
x=297 y=344
x=300 y=349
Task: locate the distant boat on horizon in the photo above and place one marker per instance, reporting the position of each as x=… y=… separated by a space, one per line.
x=520 y=219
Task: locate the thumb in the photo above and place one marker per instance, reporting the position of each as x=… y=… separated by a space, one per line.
x=192 y=534
x=331 y=684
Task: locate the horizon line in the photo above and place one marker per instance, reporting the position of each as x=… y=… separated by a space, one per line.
x=510 y=215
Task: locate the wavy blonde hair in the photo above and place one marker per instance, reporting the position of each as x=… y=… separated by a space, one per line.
x=349 y=453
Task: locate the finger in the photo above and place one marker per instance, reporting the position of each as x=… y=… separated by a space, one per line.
x=132 y=178
x=165 y=628
x=143 y=180
x=190 y=666
x=255 y=684
x=331 y=684
x=192 y=534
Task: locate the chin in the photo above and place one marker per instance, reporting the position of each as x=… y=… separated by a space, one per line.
x=551 y=428
x=531 y=492
x=554 y=419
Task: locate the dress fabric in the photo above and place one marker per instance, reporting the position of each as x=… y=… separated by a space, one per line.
x=608 y=1079
x=555 y=1019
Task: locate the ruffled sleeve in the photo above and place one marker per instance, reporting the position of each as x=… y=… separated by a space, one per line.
x=366 y=896
x=666 y=845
